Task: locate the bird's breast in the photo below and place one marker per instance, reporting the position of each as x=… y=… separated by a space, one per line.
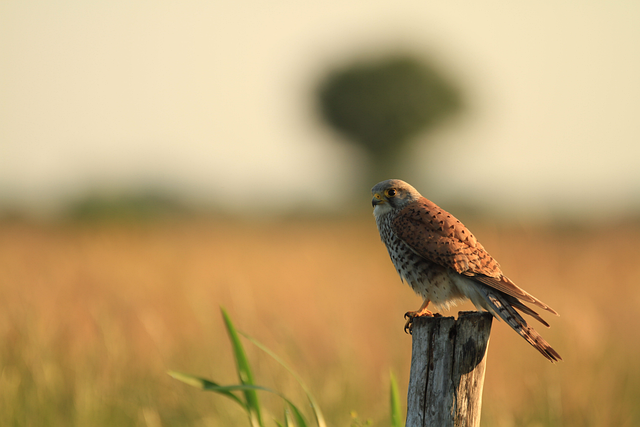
x=426 y=278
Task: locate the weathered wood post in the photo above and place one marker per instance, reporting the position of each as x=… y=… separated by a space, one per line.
x=447 y=370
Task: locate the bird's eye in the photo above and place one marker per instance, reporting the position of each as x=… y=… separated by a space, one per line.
x=390 y=193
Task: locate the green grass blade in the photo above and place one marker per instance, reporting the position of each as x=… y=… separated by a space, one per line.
x=225 y=389
x=299 y=418
x=244 y=371
x=288 y=421
x=396 y=408
x=312 y=401
x=204 y=384
x=300 y=421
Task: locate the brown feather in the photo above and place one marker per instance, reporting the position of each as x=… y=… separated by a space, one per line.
x=503 y=284
x=441 y=238
x=504 y=309
x=523 y=308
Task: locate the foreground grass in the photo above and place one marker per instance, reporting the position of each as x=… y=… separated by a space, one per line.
x=92 y=316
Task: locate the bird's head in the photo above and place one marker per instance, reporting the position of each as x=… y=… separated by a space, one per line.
x=392 y=194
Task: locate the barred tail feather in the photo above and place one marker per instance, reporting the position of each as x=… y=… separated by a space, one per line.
x=514 y=302
x=503 y=307
x=500 y=306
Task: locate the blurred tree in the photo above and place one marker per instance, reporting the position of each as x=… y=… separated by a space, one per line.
x=132 y=206
x=382 y=104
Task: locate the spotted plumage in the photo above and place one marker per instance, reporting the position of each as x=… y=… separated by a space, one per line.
x=444 y=263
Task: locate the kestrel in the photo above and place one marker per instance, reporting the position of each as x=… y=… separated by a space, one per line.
x=444 y=263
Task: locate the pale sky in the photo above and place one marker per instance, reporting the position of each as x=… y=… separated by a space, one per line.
x=213 y=100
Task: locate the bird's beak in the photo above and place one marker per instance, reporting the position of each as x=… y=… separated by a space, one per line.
x=377 y=199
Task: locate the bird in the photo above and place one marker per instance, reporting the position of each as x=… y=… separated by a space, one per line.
x=445 y=264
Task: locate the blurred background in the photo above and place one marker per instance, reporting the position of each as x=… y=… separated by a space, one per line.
x=161 y=159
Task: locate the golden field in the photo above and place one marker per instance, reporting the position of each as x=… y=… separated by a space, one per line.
x=92 y=315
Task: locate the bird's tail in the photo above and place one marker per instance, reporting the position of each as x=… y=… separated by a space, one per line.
x=504 y=306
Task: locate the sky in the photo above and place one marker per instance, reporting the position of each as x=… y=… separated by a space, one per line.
x=214 y=101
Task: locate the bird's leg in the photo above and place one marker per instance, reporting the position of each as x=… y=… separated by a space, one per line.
x=421 y=312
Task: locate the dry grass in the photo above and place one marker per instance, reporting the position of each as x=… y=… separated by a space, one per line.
x=91 y=317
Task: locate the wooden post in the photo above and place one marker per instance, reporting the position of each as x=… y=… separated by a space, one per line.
x=447 y=370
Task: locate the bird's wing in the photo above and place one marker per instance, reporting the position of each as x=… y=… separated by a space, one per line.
x=439 y=237
x=505 y=285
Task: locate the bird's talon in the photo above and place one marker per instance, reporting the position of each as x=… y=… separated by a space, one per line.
x=408 y=326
